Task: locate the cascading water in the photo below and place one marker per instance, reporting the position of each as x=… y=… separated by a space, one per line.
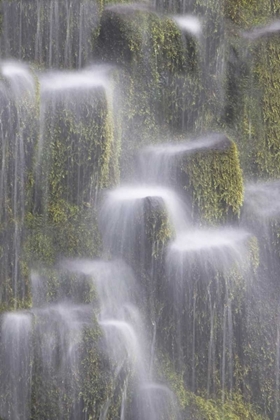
x=153 y=298
x=54 y=33
x=16 y=333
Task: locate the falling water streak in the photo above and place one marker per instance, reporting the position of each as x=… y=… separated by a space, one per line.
x=178 y=314
x=153 y=348
x=79 y=179
x=67 y=56
x=104 y=411
x=16 y=330
x=51 y=33
x=16 y=262
x=16 y=236
x=57 y=38
x=214 y=353
x=5 y=30
x=81 y=34
x=277 y=379
x=224 y=355
x=211 y=344
x=22 y=171
x=20 y=30
x=3 y=171
x=38 y=34
x=124 y=400
x=22 y=201
x=193 y=343
x=39 y=155
x=230 y=342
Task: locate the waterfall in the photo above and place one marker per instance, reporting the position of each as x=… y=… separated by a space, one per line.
x=139 y=210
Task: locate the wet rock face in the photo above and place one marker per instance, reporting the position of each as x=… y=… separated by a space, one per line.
x=206 y=169
x=57 y=150
x=122 y=32
x=196 y=313
x=19 y=109
x=135 y=229
x=160 y=70
x=253 y=85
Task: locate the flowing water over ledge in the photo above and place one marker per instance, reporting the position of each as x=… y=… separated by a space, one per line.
x=139 y=280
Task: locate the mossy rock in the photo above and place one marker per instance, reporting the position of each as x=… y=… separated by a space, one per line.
x=252 y=110
x=203 y=299
x=253 y=99
x=260 y=214
x=159 y=76
x=212 y=52
x=214 y=181
x=136 y=231
x=267 y=64
x=78 y=157
x=248 y=13
x=68 y=231
x=46 y=210
x=19 y=134
x=83 y=388
x=232 y=409
x=77 y=146
x=199 y=407
x=128 y=32
x=64 y=363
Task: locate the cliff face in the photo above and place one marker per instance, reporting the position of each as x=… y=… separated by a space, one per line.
x=192 y=332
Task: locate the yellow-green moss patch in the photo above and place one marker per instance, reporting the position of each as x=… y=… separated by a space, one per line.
x=215 y=182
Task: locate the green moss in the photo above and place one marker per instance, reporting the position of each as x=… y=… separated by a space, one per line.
x=253 y=88
x=96 y=377
x=159 y=76
x=157 y=227
x=19 y=116
x=267 y=66
x=80 y=157
x=54 y=214
x=205 y=321
x=255 y=110
x=85 y=389
x=69 y=231
x=215 y=182
x=78 y=146
x=248 y=13
x=234 y=409
x=195 y=407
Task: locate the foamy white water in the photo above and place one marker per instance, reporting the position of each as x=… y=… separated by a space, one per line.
x=262 y=199
x=222 y=248
x=19 y=76
x=271 y=28
x=90 y=78
x=16 y=356
x=189 y=23
x=123 y=201
x=157 y=163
